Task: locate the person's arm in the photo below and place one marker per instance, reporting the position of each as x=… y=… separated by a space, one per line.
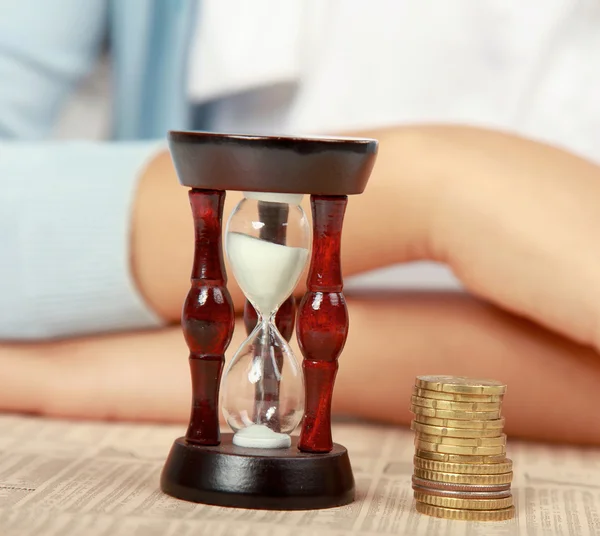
x=65 y=207
x=516 y=220
x=552 y=382
x=373 y=235
x=464 y=195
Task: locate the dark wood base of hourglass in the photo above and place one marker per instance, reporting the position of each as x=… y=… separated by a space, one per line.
x=263 y=479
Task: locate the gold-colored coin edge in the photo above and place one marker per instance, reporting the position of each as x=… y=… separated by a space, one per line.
x=449 y=431
x=462 y=385
x=466 y=504
x=459 y=458
x=452 y=405
x=464 y=478
x=486 y=424
x=456 y=414
x=471 y=495
x=461 y=450
x=502 y=467
x=456 y=397
x=472 y=491
x=463 y=441
x=502 y=514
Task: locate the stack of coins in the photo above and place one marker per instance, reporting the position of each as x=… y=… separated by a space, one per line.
x=460 y=466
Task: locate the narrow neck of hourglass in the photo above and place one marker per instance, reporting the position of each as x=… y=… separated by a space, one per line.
x=268 y=322
x=266 y=319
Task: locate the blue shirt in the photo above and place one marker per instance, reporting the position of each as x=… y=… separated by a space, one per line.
x=65 y=206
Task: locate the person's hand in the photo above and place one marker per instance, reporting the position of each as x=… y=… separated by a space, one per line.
x=517 y=221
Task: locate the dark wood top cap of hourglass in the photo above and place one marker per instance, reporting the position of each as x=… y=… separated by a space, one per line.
x=281 y=164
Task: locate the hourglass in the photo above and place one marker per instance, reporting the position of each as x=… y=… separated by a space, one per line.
x=264 y=393
x=267 y=243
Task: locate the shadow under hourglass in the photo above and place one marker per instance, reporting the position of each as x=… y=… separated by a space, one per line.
x=265 y=392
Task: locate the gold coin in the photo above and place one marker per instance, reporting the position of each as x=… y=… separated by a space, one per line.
x=424 y=485
x=467 y=504
x=458 y=415
x=455 y=406
x=453 y=432
x=498 y=479
x=465 y=515
x=491 y=424
x=462 y=494
x=461 y=385
x=463 y=441
x=459 y=458
x=458 y=449
x=457 y=397
x=502 y=466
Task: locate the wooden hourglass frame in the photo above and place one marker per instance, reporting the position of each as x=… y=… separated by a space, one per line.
x=205 y=466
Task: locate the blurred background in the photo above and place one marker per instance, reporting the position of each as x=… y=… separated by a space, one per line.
x=333 y=66
x=116 y=72
x=345 y=64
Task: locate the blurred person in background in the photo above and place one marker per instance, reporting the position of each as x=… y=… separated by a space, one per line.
x=485 y=193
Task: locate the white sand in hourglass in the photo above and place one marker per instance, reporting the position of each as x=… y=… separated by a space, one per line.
x=266 y=272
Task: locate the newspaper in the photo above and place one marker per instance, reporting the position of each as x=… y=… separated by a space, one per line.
x=61 y=478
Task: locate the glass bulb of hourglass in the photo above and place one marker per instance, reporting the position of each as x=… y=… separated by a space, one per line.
x=267 y=243
x=264 y=386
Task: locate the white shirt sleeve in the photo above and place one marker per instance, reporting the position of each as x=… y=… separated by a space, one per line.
x=240 y=46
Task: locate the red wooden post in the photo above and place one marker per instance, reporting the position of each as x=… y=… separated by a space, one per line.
x=208 y=316
x=322 y=325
